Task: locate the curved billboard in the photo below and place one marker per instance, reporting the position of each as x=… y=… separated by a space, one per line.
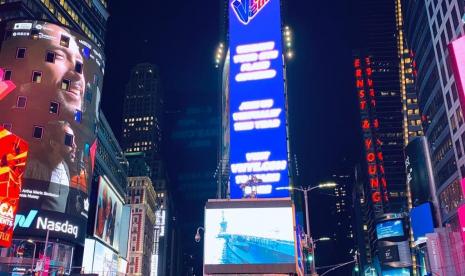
x=58 y=77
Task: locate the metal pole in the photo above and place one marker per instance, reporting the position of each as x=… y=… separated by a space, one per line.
x=33 y=256
x=309 y=234
x=45 y=254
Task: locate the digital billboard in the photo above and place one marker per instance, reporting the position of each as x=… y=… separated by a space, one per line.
x=396 y=272
x=58 y=76
x=389 y=229
x=108 y=214
x=457 y=59
x=257 y=105
x=244 y=237
x=100 y=259
x=13 y=154
x=421 y=220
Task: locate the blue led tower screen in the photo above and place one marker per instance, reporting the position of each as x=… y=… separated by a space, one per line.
x=257 y=102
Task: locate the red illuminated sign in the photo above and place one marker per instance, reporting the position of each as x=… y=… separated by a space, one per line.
x=370 y=125
x=13 y=153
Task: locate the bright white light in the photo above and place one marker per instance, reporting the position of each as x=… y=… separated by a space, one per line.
x=252 y=167
x=245 y=58
x=268 y=103
x=259 y=114
x=258 y=75
x=265 y=178
x=243 y=126
x=265 y=124
x=268 y=55
x=256 y=47
x=261 y=190
x=258 y=156
x=256 y=66
x=289 y=54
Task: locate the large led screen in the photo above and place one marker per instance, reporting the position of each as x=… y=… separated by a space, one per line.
x=54 y=107
x=244 y=238
x=389 y=229
x=13 y=154
x=258 y=152
x=457 y=60
x=108 y=214
x=421 y=220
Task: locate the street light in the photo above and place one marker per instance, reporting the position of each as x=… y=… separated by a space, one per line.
x=305 y=190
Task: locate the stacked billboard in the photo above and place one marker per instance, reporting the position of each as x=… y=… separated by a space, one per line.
x=243 y=237
x=13 y=154
x=54 y=107
x=258 y=153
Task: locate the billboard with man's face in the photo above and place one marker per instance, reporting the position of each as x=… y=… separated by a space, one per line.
x=108 y=214
x=58 y=76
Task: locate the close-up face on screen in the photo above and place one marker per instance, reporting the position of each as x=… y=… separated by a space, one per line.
x=54 y=107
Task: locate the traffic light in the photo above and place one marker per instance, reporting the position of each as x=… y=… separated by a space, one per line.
x=356 y=268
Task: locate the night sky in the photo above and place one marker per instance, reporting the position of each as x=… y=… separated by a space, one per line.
x=181 y=38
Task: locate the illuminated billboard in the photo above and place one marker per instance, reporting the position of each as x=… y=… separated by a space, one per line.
x=13 y=154
x=108 y=214
x=457 y=58
x=421 y=220
x=244 y=237
x=389 y=229
x=258 y=152
x=58 y=76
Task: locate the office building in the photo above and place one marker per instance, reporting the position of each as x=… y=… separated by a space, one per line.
x=445 y=26
x=142 y=199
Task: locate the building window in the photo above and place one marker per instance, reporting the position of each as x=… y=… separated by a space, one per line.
x=459 y=148
x=7 y=75
x=21 y=53
x=50 y=57
x=453 y=123
x=21 y=102
x=54 y=108
x=64 y=41
x=459 y=115
x=65 y=84
x=38 y=132
x=78 y=67
x=37 y=77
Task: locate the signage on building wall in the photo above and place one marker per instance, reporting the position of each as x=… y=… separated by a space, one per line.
x=13 y=154
x=257 y=101
x=370 y=124
x=457 y=58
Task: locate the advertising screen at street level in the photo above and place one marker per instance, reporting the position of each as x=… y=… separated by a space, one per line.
x=13 y=154
x=58 y=76
x=258 y=153
x=389 y=229
x=249 y=237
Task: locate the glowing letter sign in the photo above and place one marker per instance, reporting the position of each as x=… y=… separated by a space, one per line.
x=13 y=153
x=257 y=104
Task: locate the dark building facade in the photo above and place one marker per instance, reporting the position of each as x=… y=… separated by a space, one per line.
x=377 y=38
x=89 y=16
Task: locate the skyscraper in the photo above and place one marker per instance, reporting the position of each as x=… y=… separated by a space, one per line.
x=378 y=32
x=143 y=114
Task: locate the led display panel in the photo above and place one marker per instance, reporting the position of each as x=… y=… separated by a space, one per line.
x=421 y=219
x=244 y=237
x=58 y=76
x=389 y=229
x=457 y=59
x=13 y=154
x=108 y=214
x=258 y=153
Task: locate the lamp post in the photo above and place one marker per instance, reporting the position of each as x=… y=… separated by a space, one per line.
x=306 y=190
x=33 y=254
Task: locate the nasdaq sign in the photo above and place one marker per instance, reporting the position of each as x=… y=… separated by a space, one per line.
x=257 y=102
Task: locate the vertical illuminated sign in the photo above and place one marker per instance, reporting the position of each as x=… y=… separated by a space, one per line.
x=461 y=215
x=13 y=153
x=370 y=125
x=257 y=104
x=457 y=58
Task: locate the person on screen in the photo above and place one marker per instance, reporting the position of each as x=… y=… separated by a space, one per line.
x=54 y=167
x=101 y=212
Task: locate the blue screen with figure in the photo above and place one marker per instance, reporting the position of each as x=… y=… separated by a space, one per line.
x=390 y=228
x=257 y=101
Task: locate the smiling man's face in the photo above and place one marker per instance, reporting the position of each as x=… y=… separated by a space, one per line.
x=61 y=76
